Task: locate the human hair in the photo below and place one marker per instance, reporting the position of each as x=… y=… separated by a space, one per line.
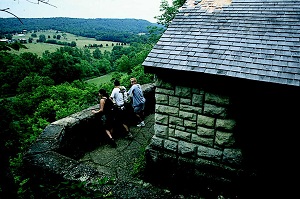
x=103 y=93
x=117 y=82
x=133 y=79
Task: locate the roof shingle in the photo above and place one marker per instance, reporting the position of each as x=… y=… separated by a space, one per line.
x=257 y=40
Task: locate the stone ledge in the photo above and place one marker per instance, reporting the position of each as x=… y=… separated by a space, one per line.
x=52 y=155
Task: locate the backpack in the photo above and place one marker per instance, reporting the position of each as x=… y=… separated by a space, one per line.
x=109 y=106
x=124 y=93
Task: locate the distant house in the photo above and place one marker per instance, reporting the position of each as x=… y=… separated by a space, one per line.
x=4 y=40
x=227 y=96
x=22 y=40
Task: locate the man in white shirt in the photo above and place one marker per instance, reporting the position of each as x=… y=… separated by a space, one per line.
x=119 y=99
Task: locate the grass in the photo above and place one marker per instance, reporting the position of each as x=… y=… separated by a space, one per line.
x=99 y=80
x=40 y=48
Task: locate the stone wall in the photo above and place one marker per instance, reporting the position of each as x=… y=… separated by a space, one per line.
x=194 y=136
x=55 y=153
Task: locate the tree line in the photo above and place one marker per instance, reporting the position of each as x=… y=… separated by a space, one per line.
x=102 y=29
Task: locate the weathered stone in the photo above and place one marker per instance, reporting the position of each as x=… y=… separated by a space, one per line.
x=197 y=100
x=164 y=91
x=186 y=148
x=161 y=130
x=67 y=122
x=156 y=142
x=175 y=120
x=41 y=146
x=202 y=140
x=210 y=153
x=162 y=119
x=82 y=172
x=190 y=124
x=189 y=108
x=233 y=156
x=83 y=115
x=161 y=99
x=163 y=84
x=188 y=115
x=206 y=121
x=205 y=132
x=170 y=145
x=183 y=135
x=51 y=162
x=183 y=91
x=166 y=110
x=174 y=101
x=214 y=111
x=171 y=132
x=223 y=124
x=185 y=101
x=52 y=132
x=196 y=91
x=224 y=139
x=213 y=98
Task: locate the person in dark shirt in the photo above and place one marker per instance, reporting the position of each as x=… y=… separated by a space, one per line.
x=106 y=108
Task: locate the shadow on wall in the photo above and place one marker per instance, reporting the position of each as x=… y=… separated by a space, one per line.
x=268 y=122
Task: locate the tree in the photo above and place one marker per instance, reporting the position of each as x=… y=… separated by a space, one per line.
x=31 y=82
x=169 y=11
x=11 y=46
x=73 y=44
x=85 y=68
x=123 y=64
x=97 y=54
x=155 y=33
x=9 y=36
x=103 y=65
x=42 y=38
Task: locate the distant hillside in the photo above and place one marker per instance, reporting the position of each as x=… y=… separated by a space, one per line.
x=100 y=28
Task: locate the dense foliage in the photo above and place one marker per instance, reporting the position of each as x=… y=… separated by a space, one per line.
x=168 y=11
x=37 y=90
x=118 y=30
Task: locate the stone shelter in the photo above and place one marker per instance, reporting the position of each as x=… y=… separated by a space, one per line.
x=227 y=97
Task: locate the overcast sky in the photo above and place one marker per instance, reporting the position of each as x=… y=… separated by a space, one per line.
x=137 y=9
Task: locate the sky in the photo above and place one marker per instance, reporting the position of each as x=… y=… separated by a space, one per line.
x=137 y=9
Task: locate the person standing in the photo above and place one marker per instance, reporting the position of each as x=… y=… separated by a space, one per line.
x=118 y=96
x=138 y=100
x=106 y=107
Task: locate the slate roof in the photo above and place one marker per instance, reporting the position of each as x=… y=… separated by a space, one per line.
x=251 y=39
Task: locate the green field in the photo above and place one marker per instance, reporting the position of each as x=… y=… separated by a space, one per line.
x=99 y=80
x=40 y=48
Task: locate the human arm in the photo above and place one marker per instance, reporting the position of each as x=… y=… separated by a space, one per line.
x=130 y=92
x=102 y=103
x=113 y=95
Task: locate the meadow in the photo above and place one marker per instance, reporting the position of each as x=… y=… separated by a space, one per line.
x=40 y=48
x=99 y=80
